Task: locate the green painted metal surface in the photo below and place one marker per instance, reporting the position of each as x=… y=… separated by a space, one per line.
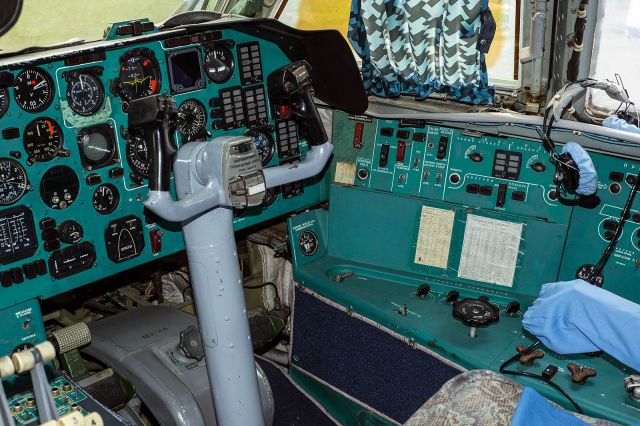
x=371 y=230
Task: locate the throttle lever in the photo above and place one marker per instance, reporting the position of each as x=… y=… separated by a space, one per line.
x=291 y=86
x=156 y=115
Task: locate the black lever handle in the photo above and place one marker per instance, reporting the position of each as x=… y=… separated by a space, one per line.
x=156 y=115
x=291 y=86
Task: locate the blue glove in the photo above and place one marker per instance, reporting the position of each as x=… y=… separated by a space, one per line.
x=534 y=410
x=576 y=317
x=588 y=182
x=614 y=122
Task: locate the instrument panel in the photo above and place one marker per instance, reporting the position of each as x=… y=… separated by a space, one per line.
x=72 y=176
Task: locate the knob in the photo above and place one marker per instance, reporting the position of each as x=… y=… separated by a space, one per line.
x=191 y=343
x=475 y=157
x=452 y=296
x=580 y=374
x=475 y=313
x=422 y=291
x=513 y=308
x=527 y=358
x=538 y=167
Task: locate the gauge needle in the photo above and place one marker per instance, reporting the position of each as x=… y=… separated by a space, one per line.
x=81 y=82
x=42 y=83
x=38 y=130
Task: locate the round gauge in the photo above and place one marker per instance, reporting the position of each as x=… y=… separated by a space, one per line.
x=192 y=119
x=97 y=146
x=70 y=232
x=85 y=93
x=139 y=75
x=219 y=64
x=42 y=139
x=264 y=144
x=33 y=90
x=13 y=181
x=106 y=198
x=4 y=101
x=138 y=156
x=59 y=187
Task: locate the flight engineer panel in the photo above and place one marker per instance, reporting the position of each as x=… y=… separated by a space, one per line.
x=72 y=175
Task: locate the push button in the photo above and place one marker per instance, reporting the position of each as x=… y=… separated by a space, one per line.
x=41 y=267
x=473 y=188
x=518 y=195
x=5 y=279
x=29 y=270
x=17 y=276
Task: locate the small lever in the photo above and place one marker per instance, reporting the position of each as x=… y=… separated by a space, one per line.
x=528 y=358
x=580 y=374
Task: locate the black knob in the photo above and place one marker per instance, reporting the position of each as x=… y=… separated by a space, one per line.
x=513 y=307
x=191 y=343
x=422 y=291
x=475 y=312
x=452 y=296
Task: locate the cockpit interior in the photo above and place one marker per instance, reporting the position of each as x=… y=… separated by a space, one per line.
x=305 y=212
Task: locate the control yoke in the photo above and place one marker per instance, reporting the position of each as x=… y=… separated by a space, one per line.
x=211 y=178
x=289 y=86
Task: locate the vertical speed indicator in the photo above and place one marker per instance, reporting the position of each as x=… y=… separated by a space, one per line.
x=33 y=90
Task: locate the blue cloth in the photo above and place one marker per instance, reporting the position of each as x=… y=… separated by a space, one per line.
x=534 y=410
x=588 y=182
x=614 y=122
x=577 y=317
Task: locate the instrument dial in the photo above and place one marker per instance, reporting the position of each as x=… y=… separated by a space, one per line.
x=106 y=198
x=138 y=156
x=42 y=139
x=33 y=90
x=97 y=146
x=85 y=94
x=13 y=181
x=59 y=187
x=4 y=101
x=139 y=75
x=70 y=232
x=192 y=120
x=264 y=144
x=219 y=64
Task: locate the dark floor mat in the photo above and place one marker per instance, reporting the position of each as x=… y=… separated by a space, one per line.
x=293 y=408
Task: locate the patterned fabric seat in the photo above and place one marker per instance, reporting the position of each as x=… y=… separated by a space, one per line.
x=477 y=397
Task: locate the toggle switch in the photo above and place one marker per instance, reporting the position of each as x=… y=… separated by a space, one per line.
x=384 y=155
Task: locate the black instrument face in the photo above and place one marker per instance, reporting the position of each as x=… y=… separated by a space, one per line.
x=308 y=243
x=192 y=120
x=33 y=90
x=139 y=75
x=42 y=139
x=264 y=144
x=105 y=198
x=13 y=181
x=138 y=156
x=59 y=187
x=124 y=238
x=70 y=232
x=85 y=93
x=219 y=64
x=17 y=234
x=4 y=101
x=97 y=146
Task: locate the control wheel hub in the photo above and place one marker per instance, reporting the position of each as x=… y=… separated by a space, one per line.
x=475 y=313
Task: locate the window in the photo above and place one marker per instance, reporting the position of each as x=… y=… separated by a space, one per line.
x=501 y=60
x=615 y=51
x=44 y=22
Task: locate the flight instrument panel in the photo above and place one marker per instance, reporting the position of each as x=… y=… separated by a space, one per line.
x=73 y=176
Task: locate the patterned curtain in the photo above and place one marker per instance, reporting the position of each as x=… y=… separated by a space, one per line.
x=418 y=47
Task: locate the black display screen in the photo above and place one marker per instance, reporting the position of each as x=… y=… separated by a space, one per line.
x=17 y=235
x=186 y=71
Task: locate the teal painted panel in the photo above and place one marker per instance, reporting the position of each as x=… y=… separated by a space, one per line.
x=131 y=193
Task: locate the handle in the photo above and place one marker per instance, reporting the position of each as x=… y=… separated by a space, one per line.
x=156 y=116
